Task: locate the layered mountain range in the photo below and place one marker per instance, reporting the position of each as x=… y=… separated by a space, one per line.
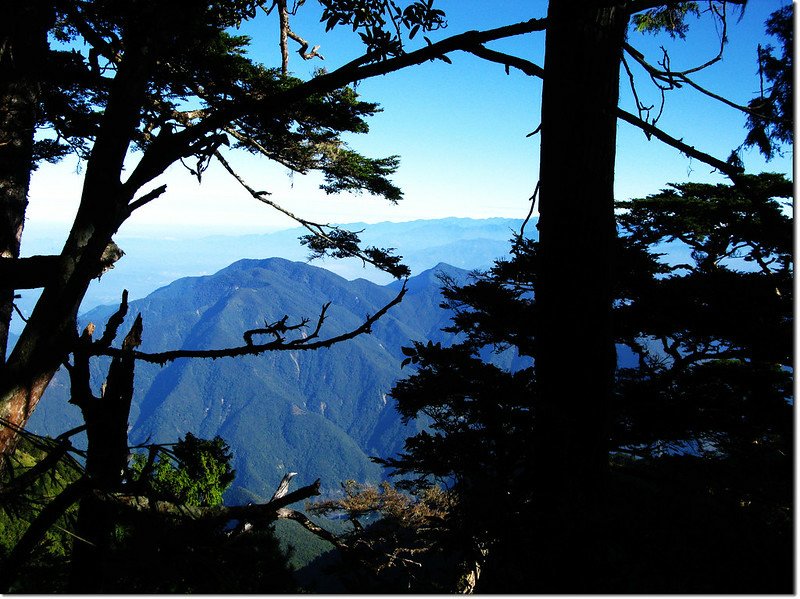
x=320 y=413
x=157 y=260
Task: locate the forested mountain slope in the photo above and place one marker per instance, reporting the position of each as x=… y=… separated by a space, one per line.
x=319 y=413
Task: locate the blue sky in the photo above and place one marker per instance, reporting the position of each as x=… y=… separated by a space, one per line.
x=460 y=130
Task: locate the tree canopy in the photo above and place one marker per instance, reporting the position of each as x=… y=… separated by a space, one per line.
x=134 y=88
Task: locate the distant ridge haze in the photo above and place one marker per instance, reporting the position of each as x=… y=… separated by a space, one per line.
x=151 y=263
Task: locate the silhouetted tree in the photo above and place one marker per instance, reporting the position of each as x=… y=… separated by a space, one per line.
x=713 y=335
x=771 y=121
x=713 y=341
x=586 y=46
x=147 y=61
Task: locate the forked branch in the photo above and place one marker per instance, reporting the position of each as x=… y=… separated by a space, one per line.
x=529 y=68
x=309 y=342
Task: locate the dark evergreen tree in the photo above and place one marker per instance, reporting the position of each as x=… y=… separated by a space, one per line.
x=714 y=334
x=771 y=120
x=711 y=395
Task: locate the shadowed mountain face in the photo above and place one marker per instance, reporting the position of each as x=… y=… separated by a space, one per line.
x=319 y=413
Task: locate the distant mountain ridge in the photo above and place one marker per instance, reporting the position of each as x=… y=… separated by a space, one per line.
x=151 y=263
x=321 y=413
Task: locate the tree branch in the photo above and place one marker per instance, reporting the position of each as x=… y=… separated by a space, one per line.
x=28 y=273
x=527 y=67
x=264 y=512
x=305 y=522
x=298 y=344
x=677 y=78
x=38 y=271
x=732 y=171
x=148 y=197
x=113 y=324
x=167 y=149
x=316 y=229
x=535 y=70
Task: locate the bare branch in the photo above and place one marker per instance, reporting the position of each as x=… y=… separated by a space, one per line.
x=530 y=212
x=534 y=70
x=148 y=197
x=283 y=14
x=264 y=512
x=677 y=79
x=38 y=271
x=28 y=273
x=298 y=344
x=644 y=111
x=283 y=486
x=304 y=46
x=732 y=171
x=278 y=329
x=113 y=324
x=305 y=522
x=527 y=67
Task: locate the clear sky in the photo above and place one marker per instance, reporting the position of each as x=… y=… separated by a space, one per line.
x=459 y=129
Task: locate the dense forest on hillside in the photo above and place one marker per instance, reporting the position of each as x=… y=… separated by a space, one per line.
x=607 y=409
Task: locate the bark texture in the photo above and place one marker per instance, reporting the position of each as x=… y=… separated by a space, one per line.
x=23 y=47
x=50 y=331
x=575 y=357
x=575 y=360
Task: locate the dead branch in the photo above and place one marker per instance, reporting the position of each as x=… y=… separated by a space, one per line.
x=113 y=324
x=277 y=329
x=304 y=46
x=148 y=197
x=257 y=513
x=529 y=68
x=306 y=343
x=530 y=212
x=38 y=271
x=305 y=522
x=534 y=70
x=283 y=486
x=675 y=79
x=732 y=171
x=286 y=33
x=28 y=273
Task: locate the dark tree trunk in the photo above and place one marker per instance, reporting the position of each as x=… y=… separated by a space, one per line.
x=575 y=357
x=49 y=333
x=106 y=421
x=23 y=50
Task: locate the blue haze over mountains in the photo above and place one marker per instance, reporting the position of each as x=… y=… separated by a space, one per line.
x=150 y=263
x=320 y=413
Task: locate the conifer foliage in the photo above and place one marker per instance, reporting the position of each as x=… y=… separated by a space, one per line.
x=709 y=388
